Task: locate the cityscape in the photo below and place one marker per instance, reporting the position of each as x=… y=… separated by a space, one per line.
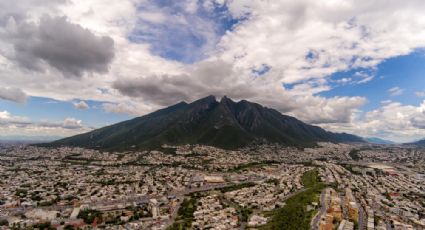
x=212 y=115
x=331 y=186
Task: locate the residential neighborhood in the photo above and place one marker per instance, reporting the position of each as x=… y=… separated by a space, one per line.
x=203 y=187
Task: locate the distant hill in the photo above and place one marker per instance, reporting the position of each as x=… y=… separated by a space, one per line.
x=224 y=124
x=420 y=143
x=376 y=140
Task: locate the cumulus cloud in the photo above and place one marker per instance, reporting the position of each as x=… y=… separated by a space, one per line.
x=18 y=125
x=209 y=77
x=395 y=91
x=127 y=108
x=8 y=120
x=71 y=123
x=313 y=39
x=394 y=121
x=13 y=94
x=81 y=105
x=67 y=47
x=215 y=77
x=22 y=9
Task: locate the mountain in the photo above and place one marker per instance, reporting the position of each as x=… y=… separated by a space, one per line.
x=420 y=143
x=376 y=140
x=225 y=124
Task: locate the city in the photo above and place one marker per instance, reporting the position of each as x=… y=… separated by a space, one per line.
x=212 y=115
x=337 y=186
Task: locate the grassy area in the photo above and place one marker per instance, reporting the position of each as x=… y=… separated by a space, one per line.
x=355 y=154
x=251 y=165
x=294 y=214
x=236 y=187
x=89 y=215
x=185 y=214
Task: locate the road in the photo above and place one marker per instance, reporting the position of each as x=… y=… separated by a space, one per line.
x=316 y=219
x=362 y=222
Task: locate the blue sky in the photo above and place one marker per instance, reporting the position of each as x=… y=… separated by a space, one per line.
x=406 y=72
x=176 y=40
x=343 y=67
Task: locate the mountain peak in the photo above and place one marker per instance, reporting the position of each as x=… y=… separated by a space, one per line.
x=224 y=124
x=207 y=99
x=205 y=102
x=226 y=100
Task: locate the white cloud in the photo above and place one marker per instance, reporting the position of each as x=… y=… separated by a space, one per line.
x=393 y=121
x=127 y=108
x=363 y=77
x=395 y=91
x=359 y=77
x=81 y=105
x=71 y=123
x=18 y=125
x=6 y=118
x=335 y=35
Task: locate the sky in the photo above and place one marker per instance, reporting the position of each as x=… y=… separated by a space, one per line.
x=71 y=66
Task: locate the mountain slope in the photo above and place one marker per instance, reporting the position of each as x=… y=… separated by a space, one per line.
x=224 y=124
x=420 y=143
x=376 y=140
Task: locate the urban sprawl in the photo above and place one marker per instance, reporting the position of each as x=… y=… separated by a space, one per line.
x=330 y=186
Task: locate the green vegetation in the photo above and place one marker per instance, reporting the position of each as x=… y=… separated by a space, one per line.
x=4 y=222
x=236 y=187
x=351 y=169
x=273 y=181
x=251 y=165
x=245 y=213
x=43 y=226
x=69 y=227
x=185 y=214
x=168 y=150
x=89 y=215
x=355 y=154
x=21 y=192
x=294 y=214
x=49 y=202
x=107 y=182
x=310 y=179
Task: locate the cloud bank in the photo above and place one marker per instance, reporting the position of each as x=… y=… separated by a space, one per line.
x=17 y=125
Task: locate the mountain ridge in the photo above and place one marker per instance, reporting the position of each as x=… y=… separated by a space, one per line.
x=224 y=124
x=377 y=140
x=419 y=143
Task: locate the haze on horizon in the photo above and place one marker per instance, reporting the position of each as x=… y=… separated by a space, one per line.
x=69 y=66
